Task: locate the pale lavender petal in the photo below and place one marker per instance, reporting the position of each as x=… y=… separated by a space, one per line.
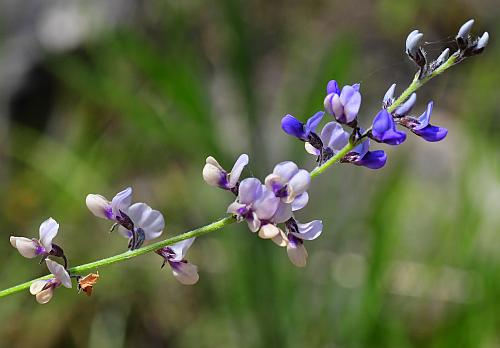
x=186 y=273
x=253 y=222
x=99 y=206
x=48 y=231
x=26 y=247
x=299 y=183
x=300 y=201
x=59 y=272
x=180 y=248
x=334 y=136
x=236 y=208
x=250 y=189
x=406 y=107
x=390 y=93
x=351 y=99
x=311 y=149
x=309 y=230
x=313 y=122
x=121 y=201
x=266 y=205
x=423 y=120
x=285 y=170
x=151 y=221
x=283 y=213
x=336 y=108
x=238 y=167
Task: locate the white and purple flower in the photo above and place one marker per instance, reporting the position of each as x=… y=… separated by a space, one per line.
x=215 y=175
x=334 y=138
x=185 y=272
x=290 y=184
x=343 y=105
x=421 y=126
x=44 y=289
x=297 y=233
x=101 y=207
x=43 y=247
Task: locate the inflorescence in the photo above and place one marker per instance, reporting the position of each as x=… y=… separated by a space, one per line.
x=267 y=207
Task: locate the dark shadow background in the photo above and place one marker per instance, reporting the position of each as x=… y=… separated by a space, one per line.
x=99 y=95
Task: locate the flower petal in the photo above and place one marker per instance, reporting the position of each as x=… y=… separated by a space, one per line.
x=99 y=206
x=311 y=149
x=185 y=272
x=283 y=213
x=26 y=247
x=334 y=136
x=300 y=201
x=238 y=167
x=151 y=221
x=313 y=122
x=213 y=173
x=423 y=120
x=373 y=159
x=285 y=170
x=121 y=201
x=48 y=231
x=281 y=239
x=38 y=286
x=266 y=205
x=332 y=87
x=180 y=248
x=432 y=133
x=59 y=272
x=384 y=129
x=293 y=127
x=298 y=184
x=309 y=230
x=351 y=100
x=268 y=231
x=250 y=189
x=44 y=296
x=297 y=254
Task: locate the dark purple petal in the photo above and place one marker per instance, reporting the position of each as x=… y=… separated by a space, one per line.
x=293 y=127
x=313 y=122
x=384 y=129
x=432 y=133
x=332 y=87
x=373 y=159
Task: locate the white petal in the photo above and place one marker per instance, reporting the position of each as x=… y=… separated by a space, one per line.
x=45 y=296
x=98 y=205
x=281 y=239
x=180 y=248
x=253 y=223
x=268 y=231
x=121 y=201
x=311 y=149
x=37 y=286
x=59 y=272
x=238 y=167
x=186 y=273
x=297 y=254
x=213 y=173
x=298 y=184
x=26 y=247
x=151 y=221
x=48 y=230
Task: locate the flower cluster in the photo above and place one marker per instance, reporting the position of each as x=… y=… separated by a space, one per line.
x=268 y=207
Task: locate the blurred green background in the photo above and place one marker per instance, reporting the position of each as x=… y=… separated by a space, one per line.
x=96 y=96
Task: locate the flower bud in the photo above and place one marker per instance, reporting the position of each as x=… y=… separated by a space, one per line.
x=389 y=95
x=412 y=42
x=213 y=173
x=99 y=206
x=406 y=107
x=483 y=41
x=443 y=57
x=463 y=34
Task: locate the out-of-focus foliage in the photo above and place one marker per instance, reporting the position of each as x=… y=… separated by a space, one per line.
x=410 y=256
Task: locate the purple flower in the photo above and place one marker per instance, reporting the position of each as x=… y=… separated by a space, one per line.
x=297 y=234
x=215 y=175
x=31 y=248
x=185 y=272
x=101 y=207
x=44 y=289
x=423 y=128
x=255 y=204
x=335 y=138
x=343 y=105
x=143 y=223
x=302 y=131
x=384 y=129
x=290 y=184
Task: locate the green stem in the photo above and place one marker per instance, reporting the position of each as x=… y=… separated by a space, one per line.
x=217 y=225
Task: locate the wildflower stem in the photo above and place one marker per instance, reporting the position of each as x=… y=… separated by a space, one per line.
x=217 y=225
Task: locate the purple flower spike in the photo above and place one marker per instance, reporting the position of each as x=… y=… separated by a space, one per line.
x=343 y=105
x=302 y=131
x=186 y=273
x=215 y=175
x=384 y=129
x=427 y=131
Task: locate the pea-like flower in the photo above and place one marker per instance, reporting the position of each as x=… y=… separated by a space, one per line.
x=185 y=272
x=384 y=129
x=297 y=234
x=290 y=184
x=43 y=247
x=44 y=289
x=421 y=126
x=256 y=204
x=343 y=105
x=335 y=138
x=101 y=207
x=143 y=224
x=304 y=132
x=215 y=175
